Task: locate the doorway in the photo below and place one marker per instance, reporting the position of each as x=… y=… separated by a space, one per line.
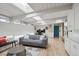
x=59 y=30
x=56 y=31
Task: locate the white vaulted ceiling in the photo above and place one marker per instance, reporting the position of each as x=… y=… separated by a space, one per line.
x=47 y=12
x=46 y=6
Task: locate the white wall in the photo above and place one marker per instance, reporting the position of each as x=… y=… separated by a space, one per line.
x=15 y=29
x=72 y=41
x=70 y=26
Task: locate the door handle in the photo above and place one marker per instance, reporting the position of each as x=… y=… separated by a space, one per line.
x=69 y=30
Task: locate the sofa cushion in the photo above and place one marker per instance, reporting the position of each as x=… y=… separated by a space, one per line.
x=32 y=37
x=31 y=42
x=38 y=37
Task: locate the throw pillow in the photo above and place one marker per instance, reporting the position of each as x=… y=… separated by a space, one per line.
x=2 y=40
x=41 y=37
x=26 y=36
x=10 y=38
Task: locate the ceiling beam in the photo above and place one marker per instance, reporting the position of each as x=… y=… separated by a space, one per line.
x=51 y=20
x=57 y=18
x=4 y=15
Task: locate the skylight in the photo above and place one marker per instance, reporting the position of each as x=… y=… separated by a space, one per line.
x=24 y=7
x=37 y=18
x=32 y=15
x=3 y=20
x=25 y=4
x=27 y=9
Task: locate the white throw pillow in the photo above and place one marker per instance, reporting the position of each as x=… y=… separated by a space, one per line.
x=41 y=37
x=26 y=36
x=10 y=38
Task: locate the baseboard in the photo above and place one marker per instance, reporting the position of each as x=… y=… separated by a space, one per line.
x=67 y=52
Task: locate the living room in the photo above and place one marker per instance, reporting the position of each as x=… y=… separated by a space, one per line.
x=39 y=29
x=17 y=25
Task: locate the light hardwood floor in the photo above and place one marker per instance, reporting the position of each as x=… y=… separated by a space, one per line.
x=55 y=48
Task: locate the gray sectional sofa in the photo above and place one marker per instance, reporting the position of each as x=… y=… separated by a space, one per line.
x=34 y=40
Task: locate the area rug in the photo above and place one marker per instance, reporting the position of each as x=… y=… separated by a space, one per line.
x=32 y=51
